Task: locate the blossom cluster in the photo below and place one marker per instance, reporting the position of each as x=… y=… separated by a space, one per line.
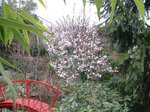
x=78 y=48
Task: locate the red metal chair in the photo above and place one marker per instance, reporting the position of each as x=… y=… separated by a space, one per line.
x=29 y=101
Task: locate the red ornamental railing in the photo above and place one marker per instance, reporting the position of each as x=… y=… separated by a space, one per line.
x=27 y=89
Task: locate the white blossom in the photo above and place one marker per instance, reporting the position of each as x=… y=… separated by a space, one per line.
x=80 y=49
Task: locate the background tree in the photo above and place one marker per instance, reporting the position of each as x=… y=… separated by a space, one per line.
x=29 y=6
x=129 y=36
x=79 y=50
x=12 y=25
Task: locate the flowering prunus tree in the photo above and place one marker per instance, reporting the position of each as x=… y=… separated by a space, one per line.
x=78 y=50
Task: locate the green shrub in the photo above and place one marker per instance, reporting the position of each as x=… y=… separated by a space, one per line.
x=92 y=97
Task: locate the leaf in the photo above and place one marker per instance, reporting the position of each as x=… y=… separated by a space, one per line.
x=7 y=15
x=84 y=3
x=140 y=7
x=113 y=7
x=32 y=20
x=25 y=32
x=5 y=38
x=7 y=11
x=98 y=4
x=42 y=3
x=21 y=39
x=9 y=35
x=15 y=24
x=7 y=63
x=7 y=79
x=1 y=33
x=13 y=15
x=26 y=36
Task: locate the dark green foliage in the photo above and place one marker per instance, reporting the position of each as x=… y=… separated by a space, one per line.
x=129 y=36
x=92 y=97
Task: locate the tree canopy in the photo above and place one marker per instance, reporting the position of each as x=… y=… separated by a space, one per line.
x=129 y=36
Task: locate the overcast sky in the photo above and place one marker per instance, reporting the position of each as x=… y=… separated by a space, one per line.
x=56 y=9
